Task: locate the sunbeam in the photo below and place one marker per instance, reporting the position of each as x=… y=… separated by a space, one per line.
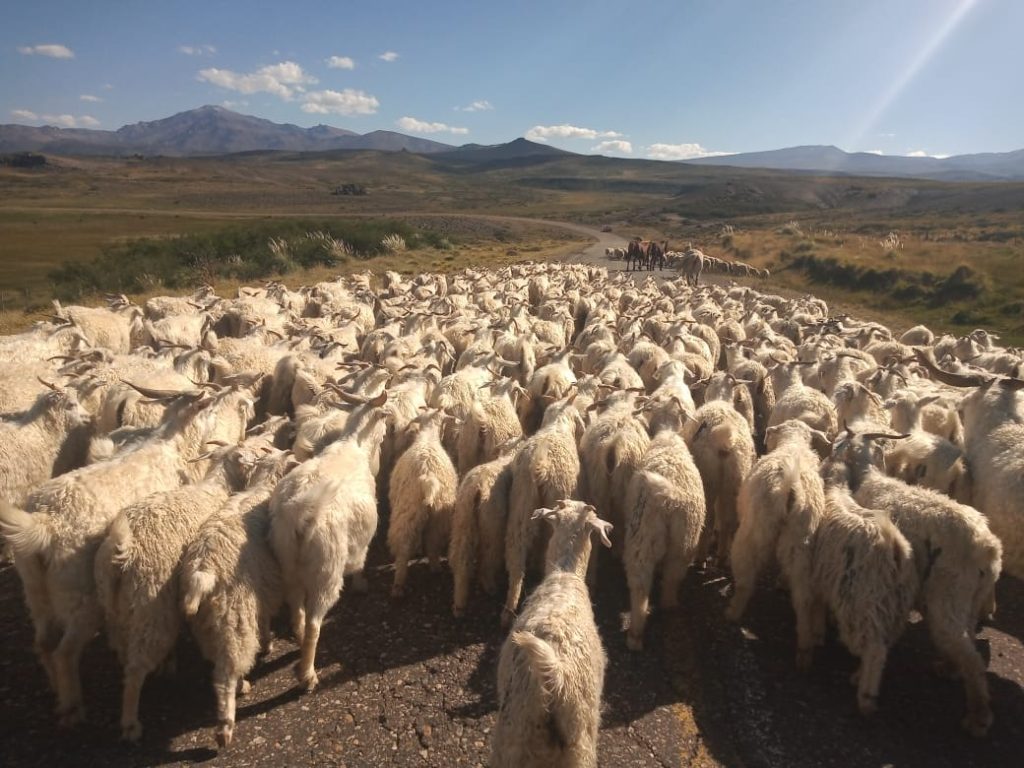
x=900 y=83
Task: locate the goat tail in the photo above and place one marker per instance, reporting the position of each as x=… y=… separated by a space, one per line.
x=27 y=534
x=721 y=438
x=120 y=541
x=432 y=491
x=543 y=661
x=198 y=585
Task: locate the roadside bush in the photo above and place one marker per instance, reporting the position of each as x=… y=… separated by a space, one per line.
x=248 y=252
x=963 y=284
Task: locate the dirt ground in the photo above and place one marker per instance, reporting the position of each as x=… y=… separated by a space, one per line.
x=405 y=684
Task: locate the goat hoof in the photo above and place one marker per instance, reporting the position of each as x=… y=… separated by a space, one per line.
x=307 y=678
x=977 y=723
x=397 y=592
x=244 y=687
x=634 y=643
x=131 y=732
x=733 y=614
x=224 y=735
x=267 y=648
x=458 y=612
x=803 y=659
x=867 y=705
x=71 y=717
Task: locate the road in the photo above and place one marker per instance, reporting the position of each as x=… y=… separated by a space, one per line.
x=405 y=684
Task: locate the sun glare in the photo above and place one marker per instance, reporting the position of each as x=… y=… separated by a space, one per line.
x=919 y=60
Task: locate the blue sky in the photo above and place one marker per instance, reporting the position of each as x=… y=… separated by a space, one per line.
x=665 y=79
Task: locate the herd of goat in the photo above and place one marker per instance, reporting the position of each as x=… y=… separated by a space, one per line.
x=209 y=461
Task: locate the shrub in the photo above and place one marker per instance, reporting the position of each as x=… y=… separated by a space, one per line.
x=393 y=243
x=251 y=252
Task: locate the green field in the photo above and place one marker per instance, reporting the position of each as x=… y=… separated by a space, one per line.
x=958 y=265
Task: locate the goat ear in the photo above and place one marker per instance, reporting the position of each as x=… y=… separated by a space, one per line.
x=820 y=442
x=602 y=527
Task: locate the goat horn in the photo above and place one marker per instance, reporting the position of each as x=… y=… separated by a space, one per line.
x=161 y=394
x=926 y=359
x=883 y=436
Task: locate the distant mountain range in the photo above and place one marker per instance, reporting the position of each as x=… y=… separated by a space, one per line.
x=987 y=166
x=214 y=130
x=207 y=130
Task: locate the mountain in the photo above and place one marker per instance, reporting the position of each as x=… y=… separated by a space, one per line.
x=988 y=166
x=207 y=130
x=516 y=153
x=390 y=141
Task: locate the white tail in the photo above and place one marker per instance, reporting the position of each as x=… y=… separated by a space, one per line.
x=200 y=584
x=120 y=538
x=27 y=534
x=543 y=661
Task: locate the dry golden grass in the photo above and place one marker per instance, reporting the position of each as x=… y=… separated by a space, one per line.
x=76 y=206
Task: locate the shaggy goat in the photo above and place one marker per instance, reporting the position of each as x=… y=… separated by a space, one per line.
x=551 y=668
x=665 y=510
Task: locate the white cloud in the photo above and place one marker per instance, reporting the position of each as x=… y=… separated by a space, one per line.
x=341 y=62
x=53 y=50
x=64 y=121
x=107 y=87
x=924 y=153
x=680 y=152
x=89 y=97
x=874 y=151
x=388 y=56
x=421 y=126
x=482 y=105
x=230 y=104
x=197 y=50
x=346 y=102
x=283 y=80
x=617 y=145
x=545 y=132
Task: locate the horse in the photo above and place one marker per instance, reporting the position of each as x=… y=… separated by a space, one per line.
x=656 y=254
x=637 y=253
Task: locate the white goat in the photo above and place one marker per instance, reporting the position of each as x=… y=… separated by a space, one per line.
x=665 y=511
x=551 y=668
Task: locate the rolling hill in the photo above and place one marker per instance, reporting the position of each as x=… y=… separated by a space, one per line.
x=988 y=166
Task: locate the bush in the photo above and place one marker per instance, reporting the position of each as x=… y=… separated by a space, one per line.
x=241 y=253
x=23 y=160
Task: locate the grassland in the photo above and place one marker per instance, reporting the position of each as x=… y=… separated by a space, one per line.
x=959 y=265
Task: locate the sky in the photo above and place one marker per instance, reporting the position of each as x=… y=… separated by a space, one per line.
x=662 y=79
